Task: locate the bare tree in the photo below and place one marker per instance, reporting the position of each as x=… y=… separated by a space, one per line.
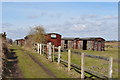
x=38 y=34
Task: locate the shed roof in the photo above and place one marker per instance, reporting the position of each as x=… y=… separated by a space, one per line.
x=92 y=38
x=68 y=38
x=52 y=33
x=87 y=38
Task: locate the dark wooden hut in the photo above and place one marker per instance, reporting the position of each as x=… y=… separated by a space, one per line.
x=67 y=43
x=20 y=42
x=92 y=43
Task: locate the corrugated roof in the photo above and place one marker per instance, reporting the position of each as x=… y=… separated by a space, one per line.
x=91 y=38
x=87 y=38
x=67 y=38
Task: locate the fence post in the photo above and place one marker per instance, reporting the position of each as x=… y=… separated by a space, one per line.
x=43 y=48
x=40 y=49
x=82 y=65
x=69 y=59
x=53 y=51
x=59 y=54
x=49 y=52
x=47 y=49
x=110 y=67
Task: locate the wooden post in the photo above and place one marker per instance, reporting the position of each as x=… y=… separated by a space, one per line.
x=49 y=52
x=110 y=67
x=53 y=52
x=69 y=59
x=40 y=49
x=47 y=49
x=43 y=49
x=82 y=66
x=59 y=54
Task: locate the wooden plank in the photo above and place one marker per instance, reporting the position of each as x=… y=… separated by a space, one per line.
x=82 y=66
x=43 y=48
x=92 y=56
x=69 y=59
x=95 y=73
x=110 y=67
x=65 y=61
x=49 y=52
x=53 y=52
x=59 y=51
x=40 y=45
x=85 y=69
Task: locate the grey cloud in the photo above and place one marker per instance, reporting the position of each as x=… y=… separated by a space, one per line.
x=59 y=15
x=33 y=16
x=56 y=15
x=45 y=14
x=6 y=25
x=110 y=17
x=37 y=15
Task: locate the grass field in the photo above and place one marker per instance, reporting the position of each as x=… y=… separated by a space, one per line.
x=95 y=64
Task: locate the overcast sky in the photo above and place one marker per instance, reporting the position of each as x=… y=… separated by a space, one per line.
x=70 y=19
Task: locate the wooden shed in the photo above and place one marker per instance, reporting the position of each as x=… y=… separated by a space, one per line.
x=54 y=38
x=67 y=43
x=20 y=42
x=92 y=43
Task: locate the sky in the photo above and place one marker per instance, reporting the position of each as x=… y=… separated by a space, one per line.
x=70 y=19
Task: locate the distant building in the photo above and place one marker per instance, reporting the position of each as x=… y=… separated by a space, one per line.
x=20 y=42
x=54 y=38
x=96 y=43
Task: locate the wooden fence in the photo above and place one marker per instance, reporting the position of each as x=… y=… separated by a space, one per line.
x=50 y=50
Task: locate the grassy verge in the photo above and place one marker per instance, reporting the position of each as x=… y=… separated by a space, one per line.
x=28 y=67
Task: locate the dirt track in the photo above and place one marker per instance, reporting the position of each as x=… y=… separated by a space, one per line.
x=42 y=66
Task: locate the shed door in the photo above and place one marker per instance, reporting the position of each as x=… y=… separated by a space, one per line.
x=84 y=44
x=95 y=46
x=66 y=43
x=99 y=46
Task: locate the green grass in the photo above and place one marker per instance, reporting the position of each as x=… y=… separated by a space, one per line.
x=100 y=66
x=59 y=70
x=28 y=67
x=31 y=70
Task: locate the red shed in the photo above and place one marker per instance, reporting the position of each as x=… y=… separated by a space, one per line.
x=20 y=42
x=54 y=38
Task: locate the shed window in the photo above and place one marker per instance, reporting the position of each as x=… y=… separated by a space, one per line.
x=53 y=36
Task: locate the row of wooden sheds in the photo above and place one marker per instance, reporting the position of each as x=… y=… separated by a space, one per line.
x=91 y=43
x=95 y=44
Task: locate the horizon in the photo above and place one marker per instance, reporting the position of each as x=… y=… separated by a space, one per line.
x=76 y=19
